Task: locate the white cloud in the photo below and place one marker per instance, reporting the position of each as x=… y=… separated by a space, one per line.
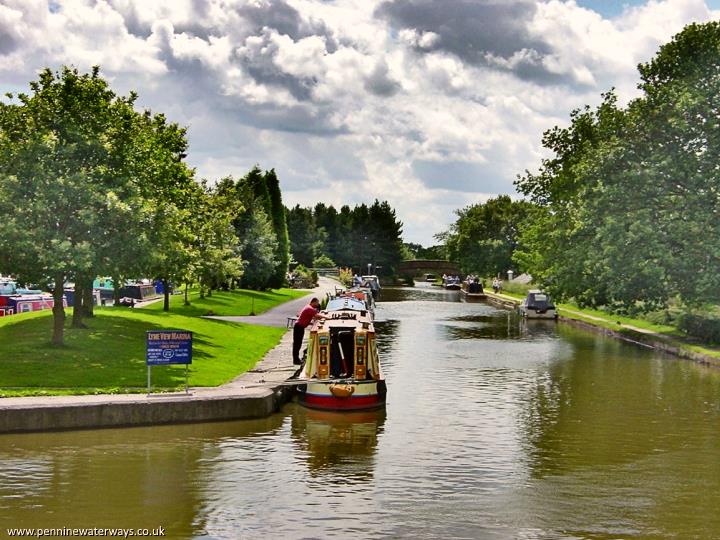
x=354 y=100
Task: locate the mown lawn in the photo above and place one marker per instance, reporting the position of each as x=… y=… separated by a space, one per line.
x=229 y=303
x=109 y=356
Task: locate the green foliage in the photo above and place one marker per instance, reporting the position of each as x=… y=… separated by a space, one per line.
x=703 y=326
x=416 y=251
x=323 y=261
x=351 y=237
x=629 y=196
x=99 y=184
x=259 y=245
x=303 y=278
x=279 y=221
x=304 y=239
x=485 y=236
x=345 y=276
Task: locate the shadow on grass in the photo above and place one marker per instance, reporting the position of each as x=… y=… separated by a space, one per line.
x=109 y=354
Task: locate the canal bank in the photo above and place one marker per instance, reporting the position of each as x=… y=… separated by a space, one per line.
x=625 y=332
x=255 y=394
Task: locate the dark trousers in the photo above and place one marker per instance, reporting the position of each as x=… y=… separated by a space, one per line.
x=298 y=335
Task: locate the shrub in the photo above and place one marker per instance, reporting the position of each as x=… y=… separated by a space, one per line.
x=704 y=327
x=323 y=261
x=302 y=278
x=346 y=276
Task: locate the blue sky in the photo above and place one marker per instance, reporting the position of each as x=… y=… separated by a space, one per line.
x=432 y=105
x=613 y=8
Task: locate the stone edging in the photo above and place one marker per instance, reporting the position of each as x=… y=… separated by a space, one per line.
x=652 y=341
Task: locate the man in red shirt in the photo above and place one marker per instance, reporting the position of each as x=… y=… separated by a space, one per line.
x=306 y=316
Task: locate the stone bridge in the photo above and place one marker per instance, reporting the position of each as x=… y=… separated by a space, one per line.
x=422 y=266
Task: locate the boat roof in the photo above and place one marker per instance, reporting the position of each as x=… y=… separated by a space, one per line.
x=345 y=303
x=344 y=319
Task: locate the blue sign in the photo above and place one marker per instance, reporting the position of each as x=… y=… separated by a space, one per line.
x=169 y=347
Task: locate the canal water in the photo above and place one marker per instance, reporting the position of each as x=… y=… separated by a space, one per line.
x=494 y=428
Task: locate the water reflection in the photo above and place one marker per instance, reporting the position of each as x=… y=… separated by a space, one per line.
x=421 y=292
x=495 y=428
x=135 y=477
x=340 y=446
x=493 y=325
x=621 y=426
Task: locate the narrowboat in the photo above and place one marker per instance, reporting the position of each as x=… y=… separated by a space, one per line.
x=537 y=305
x=25 y=303
x=342 y=369
x=473 y=290
x=361 y=294
x=12 y=301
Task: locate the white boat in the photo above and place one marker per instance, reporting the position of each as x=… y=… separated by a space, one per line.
x=537 y=305
x=342 y=371
x=371 y=282
x=452 y=283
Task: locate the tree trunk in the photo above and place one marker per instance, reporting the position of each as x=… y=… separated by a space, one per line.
x=116 y=290
x=166 y=292
x=78 y=298
x=187 y=302
x=58 y=311
x=88 y=298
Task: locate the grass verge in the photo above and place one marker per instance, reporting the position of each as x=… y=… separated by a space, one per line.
x=229 y=303
x=109 y=356
x=629 y=326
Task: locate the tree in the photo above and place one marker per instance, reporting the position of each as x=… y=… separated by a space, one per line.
x=259 y=246
x=57 y=167
x=485 y=236
x=352 y=237
x=279 y=222
x=631 y=196
x=302 y=235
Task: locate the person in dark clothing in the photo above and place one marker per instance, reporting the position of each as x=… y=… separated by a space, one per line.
x=306 y=316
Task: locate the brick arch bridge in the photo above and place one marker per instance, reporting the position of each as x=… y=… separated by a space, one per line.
x=420 y=266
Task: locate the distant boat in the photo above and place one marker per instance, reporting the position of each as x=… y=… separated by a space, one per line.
x=452 y=283
x=14 y=300
x=430 y=278
x=473 y=290
x=537 y=305
x=372 y=282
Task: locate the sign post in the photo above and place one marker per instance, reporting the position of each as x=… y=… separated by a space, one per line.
x=165 y=347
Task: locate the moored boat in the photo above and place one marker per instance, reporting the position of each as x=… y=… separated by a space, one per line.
x=537 y=305
x=372 y=282
x=14 y=300
x=452 y=283
x=361 y=294
x=473 y=290
x=342 y=370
